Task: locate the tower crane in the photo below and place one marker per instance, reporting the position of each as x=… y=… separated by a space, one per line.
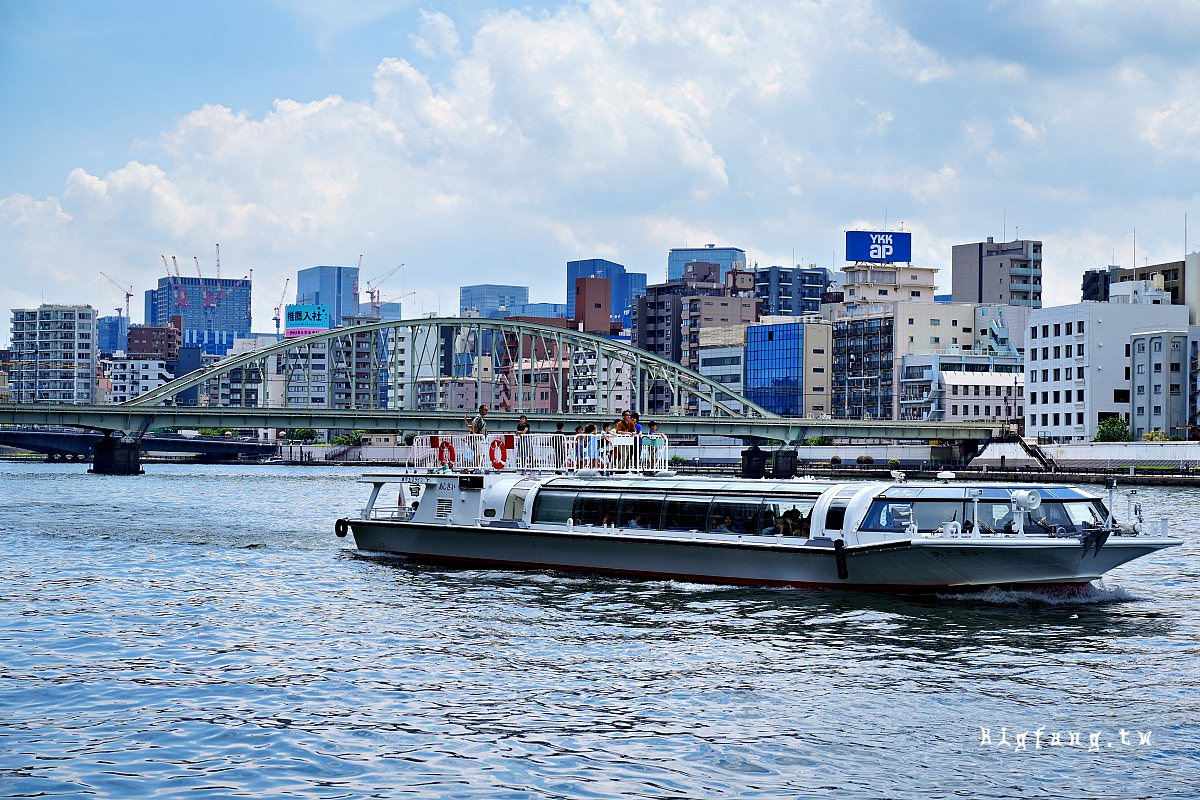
x=181 y=298
x=373 y=292
x=279 y=305
x=128 y=293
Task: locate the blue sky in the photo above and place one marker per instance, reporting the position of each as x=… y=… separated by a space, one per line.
x=476 y=142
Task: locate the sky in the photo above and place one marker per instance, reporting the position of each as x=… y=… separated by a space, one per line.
x=476 y=142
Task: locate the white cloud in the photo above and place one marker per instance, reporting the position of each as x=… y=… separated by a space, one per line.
x=438 y=36
x=1029 y=132
x=620 y=129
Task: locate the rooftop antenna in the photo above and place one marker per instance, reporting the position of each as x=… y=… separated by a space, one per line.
x=1004 y=234
x=1134 y=264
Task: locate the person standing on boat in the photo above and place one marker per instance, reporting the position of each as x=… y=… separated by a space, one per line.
x=626 y=424
x=523 y=459
x=479 y=424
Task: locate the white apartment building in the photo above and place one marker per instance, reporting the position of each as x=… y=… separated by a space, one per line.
x=1077 y=366
x=53 y=354
x=131 y=377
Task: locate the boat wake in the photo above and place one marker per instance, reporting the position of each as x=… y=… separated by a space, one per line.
x=1091 y=594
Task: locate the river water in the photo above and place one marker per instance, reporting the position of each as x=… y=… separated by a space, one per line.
x=198 y=631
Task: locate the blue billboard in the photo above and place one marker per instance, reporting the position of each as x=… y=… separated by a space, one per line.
x=303 y=320
x=878 y=246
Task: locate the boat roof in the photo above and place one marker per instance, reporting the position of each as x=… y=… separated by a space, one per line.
x=669 y=482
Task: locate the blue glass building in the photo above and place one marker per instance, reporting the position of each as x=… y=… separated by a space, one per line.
x=112 y=334
x=546 y=310
x=215 y=311
x=775 y=367
x=625 y=286
x=726 y=257
x=334 y=287
x=791 y=291
x=489 y=298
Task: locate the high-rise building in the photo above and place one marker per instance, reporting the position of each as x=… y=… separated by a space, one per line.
x=791 y=291
x=333 y=287
x=998 y=272
x=789 y=366
x=215 y=311
x=1077 y=370
x=726 y=258
x=112 y=334
x=624 y=285
x=53 y=354
x=491 y=300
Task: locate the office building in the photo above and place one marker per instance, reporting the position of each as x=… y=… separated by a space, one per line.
x=1077 y=370
x=213 y=311
x=491 y=300
x=112 y=334
x=543 y=310
x=333 y=287
x=791 y=291
x=726 y=258
x=624 y=285
x=53 y=354
x=788 y=367
x=1009 y=273
x=962 y=385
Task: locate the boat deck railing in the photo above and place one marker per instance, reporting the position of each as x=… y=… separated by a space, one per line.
x=543 y=452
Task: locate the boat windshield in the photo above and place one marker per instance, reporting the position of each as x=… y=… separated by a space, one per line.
x=995 y=516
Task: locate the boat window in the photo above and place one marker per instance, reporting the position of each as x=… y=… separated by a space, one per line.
x=514 y=504
x=1050 y=516
x=553 y=505
x=595 y=509
x=1087 y=512
x=639 y=511
x=895 y=515
x=685 y=514
x=835 y=517
x=734 y=516
x=796 y=514
x=994 y=517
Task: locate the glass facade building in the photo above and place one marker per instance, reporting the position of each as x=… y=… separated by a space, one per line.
x=491 y=300
x=335 y=287
x=112 y=334
x=215 y=311
x=775 y=367
x=791 y=291
x=625 y=285
x=726 y=257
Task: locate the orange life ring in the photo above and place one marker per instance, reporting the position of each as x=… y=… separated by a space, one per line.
x=498 y=453
x=446 y=452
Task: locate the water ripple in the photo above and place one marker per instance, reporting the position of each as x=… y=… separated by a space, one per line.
x=198 y=631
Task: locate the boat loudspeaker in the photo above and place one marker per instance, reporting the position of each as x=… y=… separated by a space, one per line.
x=1026 y=499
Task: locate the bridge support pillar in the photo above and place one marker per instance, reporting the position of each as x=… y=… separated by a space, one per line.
x=111 y=456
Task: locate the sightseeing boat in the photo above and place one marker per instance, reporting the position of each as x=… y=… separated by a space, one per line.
x=610 y=507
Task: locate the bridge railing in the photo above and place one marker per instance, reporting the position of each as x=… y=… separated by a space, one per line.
x=543 y=452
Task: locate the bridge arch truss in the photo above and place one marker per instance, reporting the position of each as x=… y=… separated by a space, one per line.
x=449 y=363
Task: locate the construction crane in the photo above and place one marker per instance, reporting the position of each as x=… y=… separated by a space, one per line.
x=279 y=305
x=181 y=298
x=128 y=294
x=373 y=292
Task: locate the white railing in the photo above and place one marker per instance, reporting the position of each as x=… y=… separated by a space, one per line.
x=543 y=452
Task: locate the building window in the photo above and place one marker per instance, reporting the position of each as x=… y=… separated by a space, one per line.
x=1069 y=326
x=1141 y=411
x=1057 y=329
x=1079 y=327
x=935 y=322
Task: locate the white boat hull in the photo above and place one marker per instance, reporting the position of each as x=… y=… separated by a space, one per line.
x=920 y=564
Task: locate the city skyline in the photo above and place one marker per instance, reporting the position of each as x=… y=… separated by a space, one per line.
x=370 y=130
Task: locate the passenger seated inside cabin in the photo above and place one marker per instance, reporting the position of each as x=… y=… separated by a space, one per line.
x=798 y=522
x=782 y=527
x=768 y=519
x=727 y=526
x=637 y=522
